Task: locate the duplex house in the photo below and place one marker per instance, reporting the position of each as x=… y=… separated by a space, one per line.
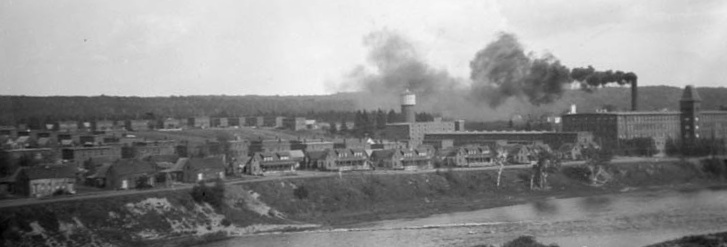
x=467 y=156
x=402 y=159
x=203 y=169
x=41 y=181
x=518 y=154
x=129 y=173
x=344 y=159
x=270 y=162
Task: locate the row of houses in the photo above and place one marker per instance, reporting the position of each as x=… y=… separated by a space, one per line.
x=293 y=123
x=49 y=179
x=164 y=170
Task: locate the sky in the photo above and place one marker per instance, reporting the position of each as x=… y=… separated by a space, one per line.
x=274 y=47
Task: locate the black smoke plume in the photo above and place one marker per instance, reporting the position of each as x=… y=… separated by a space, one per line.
x=590 y=78
x=502 y=70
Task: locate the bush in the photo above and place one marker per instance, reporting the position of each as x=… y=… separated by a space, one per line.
x=214 y=196
x=526 y=241
x=714 y=167
x=301 y=192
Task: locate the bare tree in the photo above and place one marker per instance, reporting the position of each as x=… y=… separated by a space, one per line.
x=500 y=159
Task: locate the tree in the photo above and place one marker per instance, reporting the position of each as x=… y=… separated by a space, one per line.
x=381 y=119
x=597 y=162
x=332 y=130
x=344 y=127
x=392 y=117
x=546 y=163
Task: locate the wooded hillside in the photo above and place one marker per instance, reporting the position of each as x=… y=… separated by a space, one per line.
x=18 y=109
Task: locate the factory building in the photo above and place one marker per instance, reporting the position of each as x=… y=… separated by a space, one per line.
x=687 y=125
x=491 y=138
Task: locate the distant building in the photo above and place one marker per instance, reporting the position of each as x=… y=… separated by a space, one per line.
x=143 y=149
x=12 y=159
x=68 y=126
x=199 y=122
x=78 y=155
x=413 y=132
x=294 y=123
x=491 y=138
x=311 y=145
x=273 y=121
x=269 y=145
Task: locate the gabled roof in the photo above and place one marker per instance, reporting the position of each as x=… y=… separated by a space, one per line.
x=130 y=166
x=214 y=163
x=317 y=155
x=171 y=158
x=178 y=166
x=50 y=171
x=22 y=139
x=101 y=171
x=43 y=141
x=297 y=154
x=383 y=154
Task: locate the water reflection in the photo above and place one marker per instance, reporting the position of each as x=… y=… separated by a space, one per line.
x=632 y=219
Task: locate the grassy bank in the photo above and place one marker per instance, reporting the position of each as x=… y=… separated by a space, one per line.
x=280 y=205
x=358 y=198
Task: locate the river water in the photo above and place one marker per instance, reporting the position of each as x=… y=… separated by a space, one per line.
x=626 y=219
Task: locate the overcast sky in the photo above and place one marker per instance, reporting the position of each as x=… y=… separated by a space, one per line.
x=268 y=47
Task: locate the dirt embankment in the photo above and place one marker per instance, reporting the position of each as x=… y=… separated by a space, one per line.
x=166 y=218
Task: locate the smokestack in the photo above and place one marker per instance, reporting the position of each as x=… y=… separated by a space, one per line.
x=634 y=96
x=408 y=101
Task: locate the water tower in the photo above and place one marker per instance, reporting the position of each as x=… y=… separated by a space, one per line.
x=408 y=101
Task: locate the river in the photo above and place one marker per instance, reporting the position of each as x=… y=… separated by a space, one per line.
x=626 y=219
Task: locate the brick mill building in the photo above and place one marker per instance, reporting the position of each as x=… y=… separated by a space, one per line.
x=686 y=125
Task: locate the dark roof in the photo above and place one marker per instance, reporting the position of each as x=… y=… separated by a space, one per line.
x=43 y=141
x=317 y=155
x=206 y=163
x=130 y=166
x=101 y=171
x=383 y=154
x=50 y=171
x=690 y=94
x=171 y=158
x=566 y=147
x=178 y=166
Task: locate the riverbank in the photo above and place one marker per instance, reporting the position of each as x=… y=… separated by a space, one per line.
x=352 y=200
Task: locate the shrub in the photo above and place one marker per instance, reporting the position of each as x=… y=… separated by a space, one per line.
x=715 y=167
x=526 y=241
x=301 y=192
